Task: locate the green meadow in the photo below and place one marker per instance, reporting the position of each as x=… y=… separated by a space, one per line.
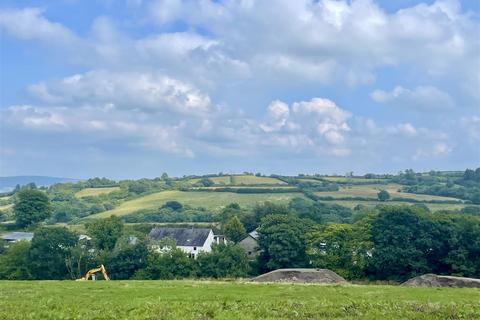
x=229 y=300
x=209 y=200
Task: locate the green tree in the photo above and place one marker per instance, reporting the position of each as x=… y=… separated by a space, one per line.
x=234 y=229
x=79 y=259
x=49 y=249
x=169 y=264
x=269 y=208
x=224 y=261
x=383 y=195
x=128 y=256
x=31 y=206
x=174 y=205
x=15 y=262
x=282 y=242
x=105 y=232
x=332 y=247
x=206 y=182
x=404 y=242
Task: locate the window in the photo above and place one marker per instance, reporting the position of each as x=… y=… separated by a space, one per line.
x=194 y=248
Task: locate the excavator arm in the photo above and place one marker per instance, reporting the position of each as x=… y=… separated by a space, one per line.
x=90 y=272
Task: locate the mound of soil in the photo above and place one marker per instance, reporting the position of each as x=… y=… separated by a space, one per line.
x=301 y=276
x=433 y=280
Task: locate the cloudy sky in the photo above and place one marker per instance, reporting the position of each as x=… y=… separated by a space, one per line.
x=133 y=88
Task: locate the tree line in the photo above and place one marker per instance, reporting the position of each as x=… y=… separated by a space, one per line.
x=383 y=243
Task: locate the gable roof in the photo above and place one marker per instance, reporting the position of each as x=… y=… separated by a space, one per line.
x=16 y=236
x=254 y=234
x=185 y=237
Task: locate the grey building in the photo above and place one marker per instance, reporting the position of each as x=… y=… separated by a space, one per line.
x=250 y=245
x=17 y=236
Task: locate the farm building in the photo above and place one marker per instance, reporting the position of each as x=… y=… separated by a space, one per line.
x=190 y=240
x=17 y=236
x=250 y=244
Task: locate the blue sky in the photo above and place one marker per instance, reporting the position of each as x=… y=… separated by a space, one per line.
x=133 y=88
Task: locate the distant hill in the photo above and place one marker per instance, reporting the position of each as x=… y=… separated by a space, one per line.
x=9 y=183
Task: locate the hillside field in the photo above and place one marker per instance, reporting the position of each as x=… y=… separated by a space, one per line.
x=243 y=180
x=209 y=200
x=432 y=206
x=92 y=192
x=229 y=300
x=371 y=191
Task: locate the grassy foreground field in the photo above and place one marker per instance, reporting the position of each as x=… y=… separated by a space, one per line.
x=229 y=300
x=210 y=200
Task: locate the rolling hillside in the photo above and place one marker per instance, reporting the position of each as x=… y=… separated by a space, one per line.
x=209 y=200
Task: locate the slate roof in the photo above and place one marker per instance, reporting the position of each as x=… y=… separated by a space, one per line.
x=254 y=234
x=17 y=236
x=185 y=237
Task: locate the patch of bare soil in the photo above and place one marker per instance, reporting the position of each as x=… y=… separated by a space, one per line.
x=301 y=276
x=433 y=280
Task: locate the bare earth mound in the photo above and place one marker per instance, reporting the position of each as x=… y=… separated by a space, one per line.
x=301 y=276
x=433 y=280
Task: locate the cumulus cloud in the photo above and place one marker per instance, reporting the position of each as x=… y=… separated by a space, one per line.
x=423 y=98
x=203 y=87
x=105 y=123
x=436 y=150
x=30 y=24
x=318 y=123
x=127 y=90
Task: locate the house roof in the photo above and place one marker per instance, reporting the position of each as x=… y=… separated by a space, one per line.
x=185 y=237
x=254 y=234
x=16 y=236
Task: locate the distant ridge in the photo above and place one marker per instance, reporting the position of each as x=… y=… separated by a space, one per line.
x=9 y=183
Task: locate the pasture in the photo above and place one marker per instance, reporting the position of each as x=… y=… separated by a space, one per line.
x=342 y=179
x=93 y=192
x=6 y=207
x=432 y=206
x=210 y=200
x=229 y=300
x=371 y=191
x=234 y=180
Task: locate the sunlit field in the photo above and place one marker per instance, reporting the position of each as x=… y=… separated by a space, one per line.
x=230 y=300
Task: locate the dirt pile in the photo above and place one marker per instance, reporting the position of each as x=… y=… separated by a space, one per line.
x=433 y=280
x=301 y=276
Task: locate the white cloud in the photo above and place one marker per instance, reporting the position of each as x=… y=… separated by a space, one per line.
x=30 y=24
x=318 y=123
x=436 y=150
x=423 y=98
x=127 y=90
x=103 y=123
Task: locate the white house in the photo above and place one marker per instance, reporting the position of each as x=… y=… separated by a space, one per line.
x=190 y=240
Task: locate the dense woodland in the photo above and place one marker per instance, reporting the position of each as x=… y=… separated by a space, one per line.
x=387 y=242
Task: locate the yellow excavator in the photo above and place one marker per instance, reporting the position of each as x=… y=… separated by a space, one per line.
x=91 y=272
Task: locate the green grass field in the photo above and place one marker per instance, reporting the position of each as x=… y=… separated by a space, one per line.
x=6 y=207
x=371 y=191
x=92 y=192
x=244 y=180
x=211 y=200
x=350 y=179
x=431 y=206
x=229 y=300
